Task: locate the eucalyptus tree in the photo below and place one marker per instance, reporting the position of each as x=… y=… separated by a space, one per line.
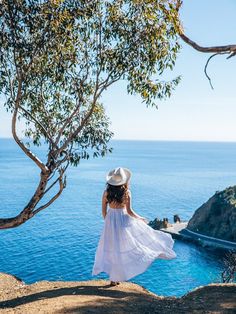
x=58 y=57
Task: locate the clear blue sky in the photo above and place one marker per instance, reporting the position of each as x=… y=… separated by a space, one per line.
x=194 y=112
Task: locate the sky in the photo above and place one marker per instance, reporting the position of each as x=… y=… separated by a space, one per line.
x=195 y=112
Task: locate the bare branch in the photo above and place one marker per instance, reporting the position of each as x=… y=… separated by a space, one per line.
x=62 y=185
x=62 y=170
x=26 y=213
x=33 y=157
x=52 y=185
x=232 y=55
x=38 y=162
x=6 y=223
x=230 y=49
x=216 y=50
x=205 y=69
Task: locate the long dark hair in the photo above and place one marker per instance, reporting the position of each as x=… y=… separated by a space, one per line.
x=117 y=194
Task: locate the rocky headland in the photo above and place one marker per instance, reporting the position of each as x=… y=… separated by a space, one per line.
x=217 y=217
x=98 y=297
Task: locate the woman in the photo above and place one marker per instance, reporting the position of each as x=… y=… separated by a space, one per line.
x=127 y=245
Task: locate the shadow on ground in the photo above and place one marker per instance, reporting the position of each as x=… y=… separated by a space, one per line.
x=100 y=297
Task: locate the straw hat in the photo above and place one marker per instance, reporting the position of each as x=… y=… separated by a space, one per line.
x=118 y=176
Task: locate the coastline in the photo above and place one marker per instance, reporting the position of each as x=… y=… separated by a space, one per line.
x=97 y=296
x=179 y=231
x=77 y=217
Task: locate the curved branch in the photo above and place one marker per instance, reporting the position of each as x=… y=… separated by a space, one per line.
x=230 y=49
x=205 y=69
x=38 y=162
x=27 y=212
x=217 y=50
x=28 y=152
x=62 y=171
x=51 y=186
x=6 y=223
x=62 y=185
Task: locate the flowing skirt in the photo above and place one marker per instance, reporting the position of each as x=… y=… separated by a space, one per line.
x=128 y=246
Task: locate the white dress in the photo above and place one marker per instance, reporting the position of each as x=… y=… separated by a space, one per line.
x=128 y=246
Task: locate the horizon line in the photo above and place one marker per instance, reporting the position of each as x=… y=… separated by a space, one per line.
x=158 y=140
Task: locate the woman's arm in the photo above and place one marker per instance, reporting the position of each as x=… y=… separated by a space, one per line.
x=104 y=204
x=129 y=209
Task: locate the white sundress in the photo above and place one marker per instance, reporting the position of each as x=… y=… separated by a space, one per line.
x=128 y=246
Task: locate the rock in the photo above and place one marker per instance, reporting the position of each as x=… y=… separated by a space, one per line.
x=217 y=217
x=8 y=281
x=176 y=219
x=158 y=224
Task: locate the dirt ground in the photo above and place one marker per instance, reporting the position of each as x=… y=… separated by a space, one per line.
x=99 y=297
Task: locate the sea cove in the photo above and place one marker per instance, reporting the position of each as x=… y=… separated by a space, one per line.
x=60 y=243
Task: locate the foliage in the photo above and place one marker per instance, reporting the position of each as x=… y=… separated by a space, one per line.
x=229 y=272
x=58 y=57
x=68 y=52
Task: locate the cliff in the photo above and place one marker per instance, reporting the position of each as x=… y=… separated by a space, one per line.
x=217 y=217
x=97 y=296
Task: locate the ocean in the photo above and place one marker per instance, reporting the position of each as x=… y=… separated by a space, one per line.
x=60 y=242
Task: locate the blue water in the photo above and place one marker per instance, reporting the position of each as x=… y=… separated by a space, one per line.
x=60 y=242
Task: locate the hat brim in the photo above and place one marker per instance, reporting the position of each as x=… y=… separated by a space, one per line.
x=111 y=181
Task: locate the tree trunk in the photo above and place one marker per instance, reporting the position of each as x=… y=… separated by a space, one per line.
x=28 y=211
